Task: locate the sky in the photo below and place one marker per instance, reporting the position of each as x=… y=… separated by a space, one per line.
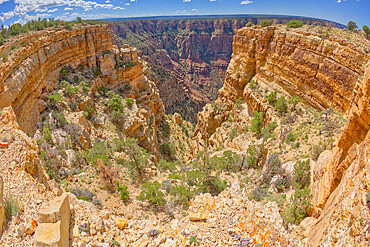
x=342 y=11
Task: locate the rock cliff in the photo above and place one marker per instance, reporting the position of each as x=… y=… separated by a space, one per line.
x=325 y=73
x=33 y=68
x=188 y=58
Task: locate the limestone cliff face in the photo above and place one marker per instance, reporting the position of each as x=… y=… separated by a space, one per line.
x=324 y=73
x=341 y=186
x=32 y=71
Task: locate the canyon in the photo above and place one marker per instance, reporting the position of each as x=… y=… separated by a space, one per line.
x=188 y=58
x=89 y=93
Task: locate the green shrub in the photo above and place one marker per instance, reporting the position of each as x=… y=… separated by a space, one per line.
x=122 y=190
x=61 y=121
x=265 y=23
x=272 y=97
x=229 y=161
x=249 y=24
x=68 y=26
x=116 y=243
x=294 y=24
x=11 y=207
x=258 y=194
x=257 y=122
x=165 y=128
x=83 y=194
x=129 y=102
x=352 y=26
x=46 y=134
x=193 y=240
x=64 y=72
x=252 y=84
x=291 y=136
x=152 y=193
x=164 y=165
x=98 y=151
x=268 y=132
x=368 y=197
x=297 y=209
x=182 y=194
x=138 y=158
x=238 y=103
x=56 y=98
x=233 y=134
x=294 y=101
x=317 y=150
x=84 y=86
x=302 y=174
x=213 y=185
x=255 y=153
x=281 y=105
x=4 y=57
x=168 y=149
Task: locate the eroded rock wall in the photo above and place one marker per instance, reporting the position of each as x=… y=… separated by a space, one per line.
x=32 y=71
x=324 y=73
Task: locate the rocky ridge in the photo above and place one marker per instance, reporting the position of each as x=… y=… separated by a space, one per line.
x=32 y=71
x=324 y=73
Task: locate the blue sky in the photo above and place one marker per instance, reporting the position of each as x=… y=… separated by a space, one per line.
x=341 y=11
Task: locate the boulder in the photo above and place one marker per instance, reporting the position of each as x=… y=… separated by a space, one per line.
x=54 y=219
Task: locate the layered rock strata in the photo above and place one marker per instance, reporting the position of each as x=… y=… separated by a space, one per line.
x=189 y=58
x=324 y=73
x=32 y=71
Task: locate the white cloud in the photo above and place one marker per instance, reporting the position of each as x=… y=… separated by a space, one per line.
x=41 y=10
x=103 y=6
x=118 y=7
x=52 y=10
x=3 y=1
x=186 y=1
x=127 y=4
x=107 y=1
x=22 y=7
x=246 y=2
x=212 y=0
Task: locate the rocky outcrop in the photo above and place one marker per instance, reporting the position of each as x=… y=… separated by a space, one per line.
x=32 y=71
x=54 y=220
x=341 y=187
x=324 y=73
